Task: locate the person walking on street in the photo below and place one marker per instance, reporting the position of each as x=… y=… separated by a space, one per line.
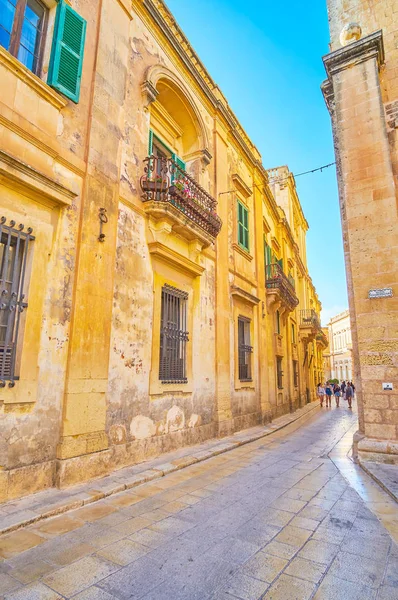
x=348 y=395
x=329 y=392
x=343 y=386
x=337 y=394
x=321 y=393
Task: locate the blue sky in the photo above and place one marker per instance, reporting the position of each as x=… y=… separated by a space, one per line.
x=267 y=59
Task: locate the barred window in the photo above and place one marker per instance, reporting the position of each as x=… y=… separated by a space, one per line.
x=279 y=373
x=244 y=350
x=14 y=244
x=295 y=373
x=173 y=336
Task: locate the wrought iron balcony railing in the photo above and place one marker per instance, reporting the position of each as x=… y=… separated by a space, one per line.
x=164 y=181
x=277 y=280
x=322 y=338
x=309 y=318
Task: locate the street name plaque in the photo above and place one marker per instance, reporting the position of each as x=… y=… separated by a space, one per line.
x=381 y=293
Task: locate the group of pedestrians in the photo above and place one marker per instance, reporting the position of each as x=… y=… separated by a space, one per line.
x=346 y=391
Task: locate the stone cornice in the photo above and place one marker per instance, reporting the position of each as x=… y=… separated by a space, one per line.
x=364 y=49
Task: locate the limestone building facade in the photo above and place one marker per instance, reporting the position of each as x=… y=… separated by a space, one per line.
x=361 y=92
x=339 y=351
x=155 y=289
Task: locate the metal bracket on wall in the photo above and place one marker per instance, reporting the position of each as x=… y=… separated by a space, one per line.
x=103 y=219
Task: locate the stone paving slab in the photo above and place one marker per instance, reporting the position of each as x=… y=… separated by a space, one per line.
x=237 y=531
x=385 y=475
x=20 y=513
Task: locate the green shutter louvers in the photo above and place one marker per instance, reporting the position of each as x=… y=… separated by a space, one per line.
x=67 y=51
x=150 y=143
x=243 y=226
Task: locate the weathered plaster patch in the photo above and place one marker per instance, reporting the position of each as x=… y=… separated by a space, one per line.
x=195 y=421
x=175 y=419
x=142 y=427
x=117 y=434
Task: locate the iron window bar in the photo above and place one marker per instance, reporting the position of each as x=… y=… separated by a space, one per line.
x=173 y=336
x=279 y=373
x=14 y=244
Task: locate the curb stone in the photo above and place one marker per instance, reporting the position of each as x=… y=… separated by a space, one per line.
x=89 y=497
x=378 y=480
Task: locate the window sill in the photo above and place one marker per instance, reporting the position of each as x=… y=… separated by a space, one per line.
x=242 y=251
x=32 y=80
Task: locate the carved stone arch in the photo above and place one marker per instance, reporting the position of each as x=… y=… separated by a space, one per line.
x=159 y=74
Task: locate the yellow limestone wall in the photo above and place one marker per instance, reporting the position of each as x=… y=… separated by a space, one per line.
x=362 y=96
x=88 y=399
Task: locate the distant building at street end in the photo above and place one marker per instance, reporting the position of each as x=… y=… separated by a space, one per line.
x=361 y=93
x=338 y=355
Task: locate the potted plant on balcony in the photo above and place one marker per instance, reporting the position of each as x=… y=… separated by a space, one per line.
x=154 y=183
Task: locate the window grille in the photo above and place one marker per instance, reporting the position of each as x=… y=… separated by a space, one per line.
x=173 y=336
x=244 y=350
x=14 y=243
x=279 y=373
x=295 y=374
x=278 y=322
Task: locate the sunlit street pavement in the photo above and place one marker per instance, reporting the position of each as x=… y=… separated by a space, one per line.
x=274 y=519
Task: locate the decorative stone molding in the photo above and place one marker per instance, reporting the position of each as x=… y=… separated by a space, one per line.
x=364 y=49
x=179 y=262
x=149 y=93
x=243 y=295
x=206 y=157
x=35 y=184
x=241 y=185
x=34 y=82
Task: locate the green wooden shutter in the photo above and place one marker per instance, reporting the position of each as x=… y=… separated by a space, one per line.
x=66 y=61
x=267 y=259
x=246 y=227
x=150 y=143
x=243 y=226
x=240 y=224
x=180 y=163
x=280 y=262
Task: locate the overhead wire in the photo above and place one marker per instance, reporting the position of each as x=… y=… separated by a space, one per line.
x=281 y=179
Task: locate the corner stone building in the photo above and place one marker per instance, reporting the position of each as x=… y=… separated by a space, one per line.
x=362 y=96
x=154 y=284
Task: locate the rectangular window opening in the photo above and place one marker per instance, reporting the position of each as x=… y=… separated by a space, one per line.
x=245 y=350
x=14 y=245
x=295 y=374
x=279 y=373
x=173 y=336
x=22 y=28
x=278 y=322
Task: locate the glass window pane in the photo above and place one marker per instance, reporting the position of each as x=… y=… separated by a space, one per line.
x=4 y=38
x=34 y=12
x=26 y=57
x=7 y=12
x=29 y=36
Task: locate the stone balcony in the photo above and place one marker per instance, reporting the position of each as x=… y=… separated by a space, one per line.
x=280 y=289
x=170 y=194
x=310 y=325
x=322 y=339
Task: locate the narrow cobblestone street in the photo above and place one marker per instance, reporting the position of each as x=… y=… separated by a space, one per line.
x=274 y=519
